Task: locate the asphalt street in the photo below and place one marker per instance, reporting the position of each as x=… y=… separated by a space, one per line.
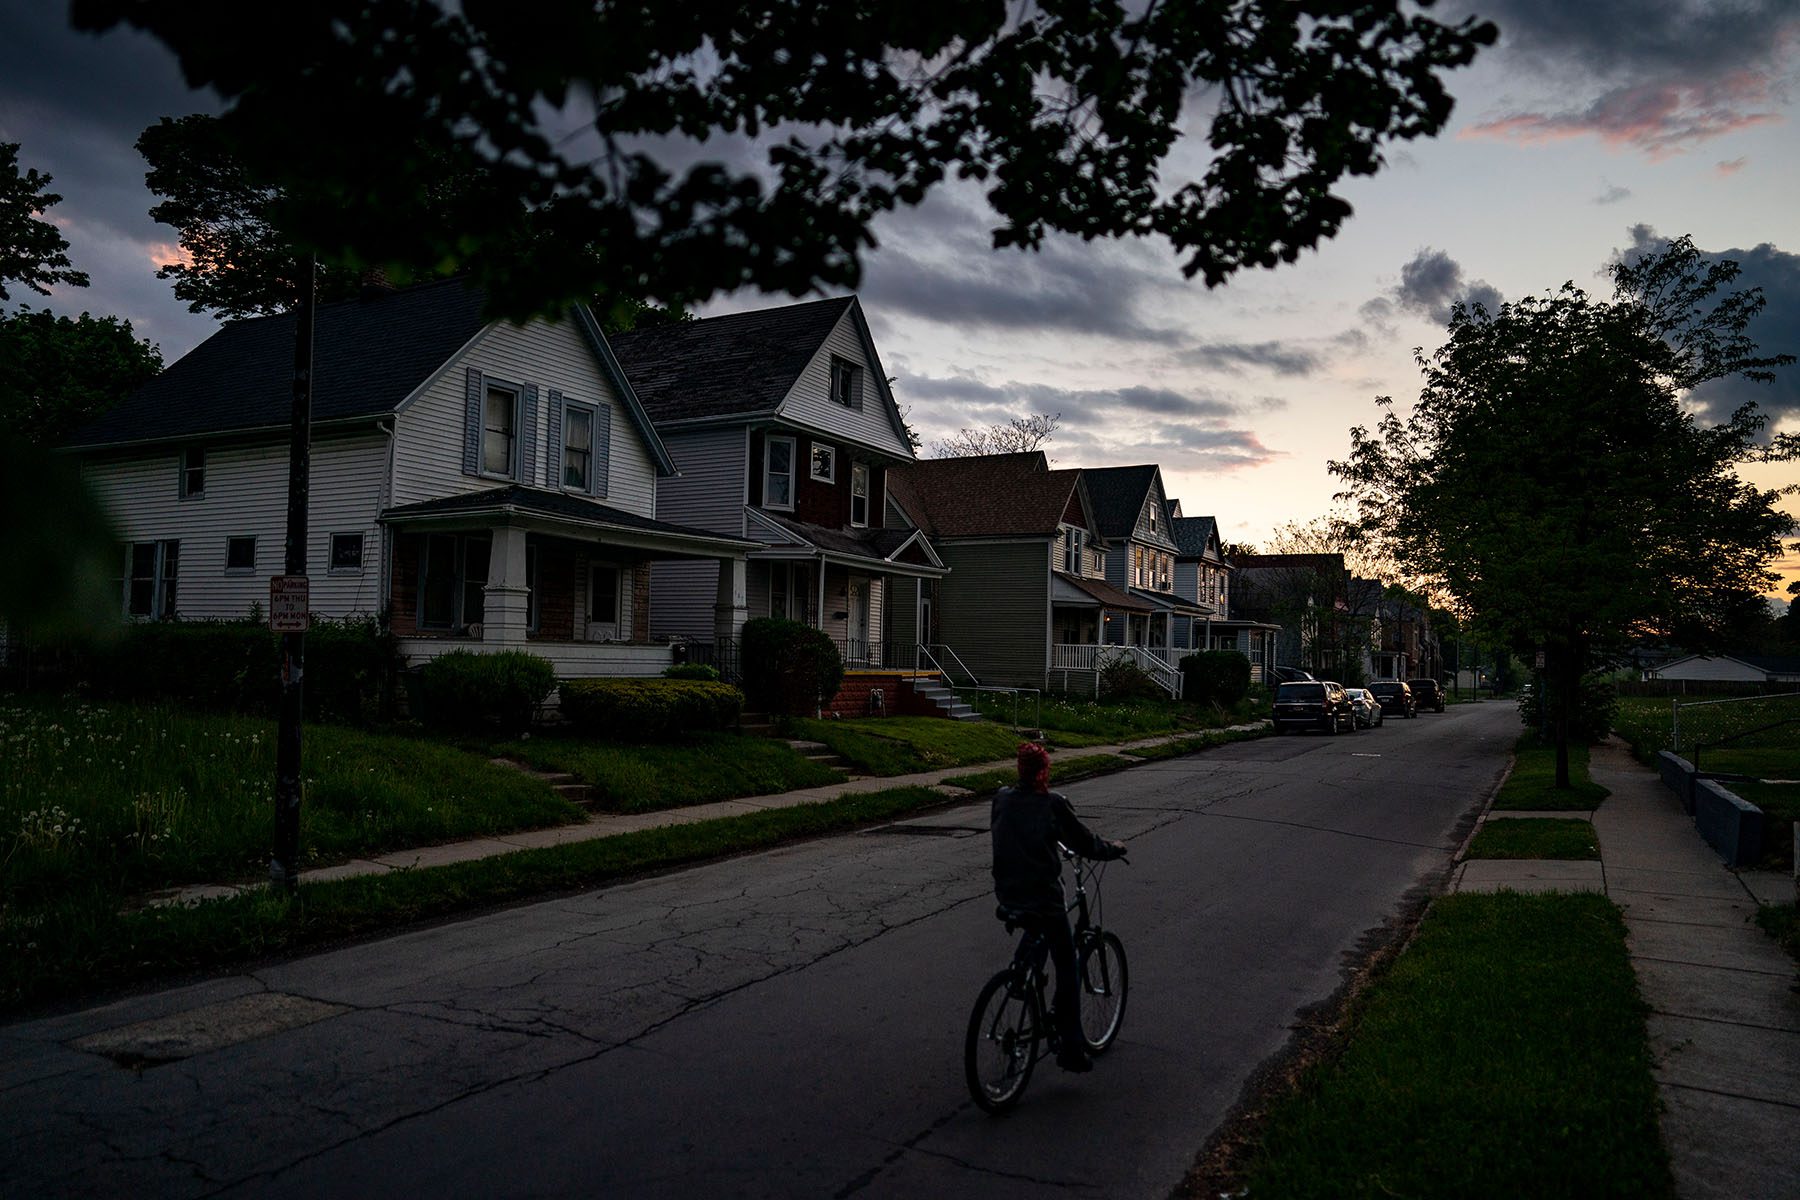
x=782 y=1024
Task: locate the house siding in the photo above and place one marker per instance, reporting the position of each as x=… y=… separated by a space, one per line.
x=246 y=496
x=708 y=493
x=809 y=402
x=430 y=431
x=994 y=609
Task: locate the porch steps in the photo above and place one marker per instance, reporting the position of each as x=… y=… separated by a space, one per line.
x=946 y=702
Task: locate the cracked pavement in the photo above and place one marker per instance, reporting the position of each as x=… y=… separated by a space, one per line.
x=784 y=1023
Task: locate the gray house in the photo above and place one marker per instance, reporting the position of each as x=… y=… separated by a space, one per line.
x=1027 y=598
x=783 y=431
x=1133 y=512
x=483 y=485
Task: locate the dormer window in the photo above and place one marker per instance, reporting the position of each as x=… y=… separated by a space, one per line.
x=846 y=383
x=1153 y=508
x=824 y=463
x=1072 y=550
x=778 y=472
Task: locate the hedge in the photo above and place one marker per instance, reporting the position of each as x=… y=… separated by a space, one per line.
x=649 y=709
x=467 y=691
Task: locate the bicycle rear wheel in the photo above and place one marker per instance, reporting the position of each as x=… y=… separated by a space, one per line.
x=1105 y=982
x=1001 y=1047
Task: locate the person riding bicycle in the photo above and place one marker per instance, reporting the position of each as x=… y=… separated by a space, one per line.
x=1028 y=822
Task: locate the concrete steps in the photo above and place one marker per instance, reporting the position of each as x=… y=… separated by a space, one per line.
x=946 y=702
x=820 y=753
x=562 y=783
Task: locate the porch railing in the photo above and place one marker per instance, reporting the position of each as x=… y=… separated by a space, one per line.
x=721 y=654
x=1065 y=656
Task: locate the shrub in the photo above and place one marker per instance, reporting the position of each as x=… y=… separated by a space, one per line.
x=1215 y=677
x=649 y=709
x=699 y=671
x=465 y=691
x=1122 y=679
x=789 y=668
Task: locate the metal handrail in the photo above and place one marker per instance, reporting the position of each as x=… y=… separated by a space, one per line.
x=951 y=654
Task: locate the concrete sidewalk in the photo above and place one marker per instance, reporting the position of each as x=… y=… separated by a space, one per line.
x=1724 y=1019
x=605 y=825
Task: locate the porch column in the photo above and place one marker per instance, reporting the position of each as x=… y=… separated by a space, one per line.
x=732 y=607
x=506 y=598
x=821 y=613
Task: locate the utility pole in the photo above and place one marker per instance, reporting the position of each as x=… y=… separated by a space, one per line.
x=284 y=864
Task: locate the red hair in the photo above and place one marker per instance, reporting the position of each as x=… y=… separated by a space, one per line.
x=1034 y=767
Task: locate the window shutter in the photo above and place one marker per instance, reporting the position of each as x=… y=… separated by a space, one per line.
x=554 y=452
x=473 y=387
x=856 y=388
x=528 y=436
x=598 y=477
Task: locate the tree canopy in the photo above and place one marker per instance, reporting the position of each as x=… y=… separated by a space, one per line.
x=58 y=372
x=588 y=126
x=1017 y=436
x=32 y=250
x=1550 y=480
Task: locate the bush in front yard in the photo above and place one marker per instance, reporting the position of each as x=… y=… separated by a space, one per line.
x=790 y=669
x=1215 y=677
x=1122 y=679
x=465 y=692
x=649 y=709
x=700 y=671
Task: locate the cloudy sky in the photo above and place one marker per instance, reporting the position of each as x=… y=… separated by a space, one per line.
x=1591 y=128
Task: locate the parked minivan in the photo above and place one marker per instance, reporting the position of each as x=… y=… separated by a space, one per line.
x=1316 y=704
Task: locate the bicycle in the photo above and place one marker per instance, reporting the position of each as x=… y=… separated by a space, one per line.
x=1012 y=1026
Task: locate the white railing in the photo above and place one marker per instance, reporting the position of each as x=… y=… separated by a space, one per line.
x=1066 y=656
x=1153 y=665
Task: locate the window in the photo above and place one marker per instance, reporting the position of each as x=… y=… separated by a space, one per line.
x=346 y=551
x=846 y=383
x=824 y=463
x=499 y=426
x=452 y=573
x=578 y=448
x=1153 y=514
x=150 y=588
x=778 y=472
x=193 y=473
x=1100 y=562
x=859 y=494
x=240 y=554
x=1137 y=566
x=787 y=591
x=603 y=596
x=1072 y=551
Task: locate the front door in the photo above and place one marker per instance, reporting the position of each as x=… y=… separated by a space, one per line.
x=858 y=632
x=605 y=595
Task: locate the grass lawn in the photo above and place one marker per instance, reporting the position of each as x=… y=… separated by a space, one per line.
x=83 y=943
x=695 y=770
x=1765 y=753
x=1782 y=922
x=1532 y=783
x=1502 y=1055
x=1064 y=771
x=1068 y=721
x=1535 y=837
x=126 y=799
x=1780 y=803
x=903 y=745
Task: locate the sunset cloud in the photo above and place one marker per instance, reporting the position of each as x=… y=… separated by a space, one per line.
x=1660 y=119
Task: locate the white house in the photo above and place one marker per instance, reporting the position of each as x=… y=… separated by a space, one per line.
x=1735 y=668
x=482 y=484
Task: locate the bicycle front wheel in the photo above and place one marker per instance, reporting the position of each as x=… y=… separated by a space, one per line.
x=1001 y=1047
x=1105 y=981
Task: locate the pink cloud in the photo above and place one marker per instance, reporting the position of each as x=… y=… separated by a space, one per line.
x=1731 y=166
x=1660 y=119
x=164 y=254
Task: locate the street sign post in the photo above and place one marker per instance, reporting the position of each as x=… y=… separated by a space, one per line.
x=289 y=611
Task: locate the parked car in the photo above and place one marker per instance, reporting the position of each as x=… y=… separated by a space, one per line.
x=1368 y=708
x=1427 y=694
x=1290 y=675
x=1313 y=704
x=1395 y=697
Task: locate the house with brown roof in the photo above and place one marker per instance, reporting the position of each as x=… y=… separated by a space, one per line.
x=1204 y=575
x=1026 y=602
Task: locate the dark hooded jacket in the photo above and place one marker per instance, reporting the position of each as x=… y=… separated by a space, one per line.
x=1027 y=825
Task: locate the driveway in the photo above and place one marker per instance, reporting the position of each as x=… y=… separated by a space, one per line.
x=786 y=1023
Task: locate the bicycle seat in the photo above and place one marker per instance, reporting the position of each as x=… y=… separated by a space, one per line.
x=1011 y=916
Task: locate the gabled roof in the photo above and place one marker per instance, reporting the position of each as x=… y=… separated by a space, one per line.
x=1118 y=494
x=875 y=545
x=988 y=495
x=738 y=364
x=1105 y=593
x=368 y=356
x=1193 y=535
x=542 y=502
